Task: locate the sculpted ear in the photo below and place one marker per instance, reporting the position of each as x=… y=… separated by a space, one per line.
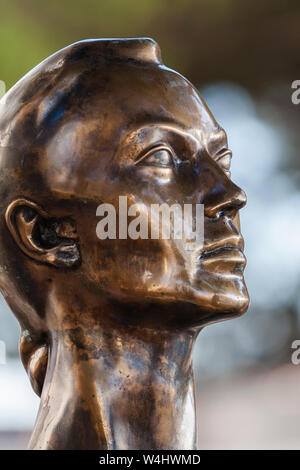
x=43 y=238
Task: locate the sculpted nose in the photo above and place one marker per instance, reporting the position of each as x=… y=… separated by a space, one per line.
x=220 y=195
x=226 y=199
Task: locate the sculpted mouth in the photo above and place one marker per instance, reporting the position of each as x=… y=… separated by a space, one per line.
x=223 y=251
x=231 y=242
x=230 y=255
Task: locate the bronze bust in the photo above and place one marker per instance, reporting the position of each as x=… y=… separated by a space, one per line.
x=108 y=325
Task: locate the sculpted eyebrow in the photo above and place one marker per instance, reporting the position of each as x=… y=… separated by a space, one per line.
x=177 y=139
x=217 y=143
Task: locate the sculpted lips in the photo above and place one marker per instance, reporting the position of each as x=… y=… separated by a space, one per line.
x=227 y=252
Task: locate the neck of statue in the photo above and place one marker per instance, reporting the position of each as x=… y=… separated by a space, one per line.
x=117 y=387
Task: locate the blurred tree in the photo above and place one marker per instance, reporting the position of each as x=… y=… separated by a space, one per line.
x=254 y=42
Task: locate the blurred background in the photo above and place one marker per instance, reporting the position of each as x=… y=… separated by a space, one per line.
x=243 y=57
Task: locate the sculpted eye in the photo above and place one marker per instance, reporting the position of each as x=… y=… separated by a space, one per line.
x=159 y=157
x=223 y=159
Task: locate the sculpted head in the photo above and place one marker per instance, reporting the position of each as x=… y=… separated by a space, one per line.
x=95 y=121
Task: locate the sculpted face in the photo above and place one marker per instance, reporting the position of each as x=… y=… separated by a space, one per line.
x=159 y=121
x=140 y=131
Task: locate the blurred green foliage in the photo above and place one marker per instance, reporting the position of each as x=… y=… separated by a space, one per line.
x=253 y=42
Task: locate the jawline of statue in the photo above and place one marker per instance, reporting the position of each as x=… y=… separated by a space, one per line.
x=108 y=327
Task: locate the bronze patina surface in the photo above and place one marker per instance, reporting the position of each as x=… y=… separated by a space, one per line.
x=108 y=326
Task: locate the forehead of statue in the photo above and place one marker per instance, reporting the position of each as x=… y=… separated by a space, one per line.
x=106 y=106
x=76 y=124
x=122 y=89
